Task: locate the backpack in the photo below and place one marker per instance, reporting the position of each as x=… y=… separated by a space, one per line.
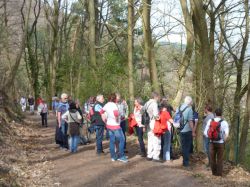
x=145 y=119
x=214 y=131
x=179 y=121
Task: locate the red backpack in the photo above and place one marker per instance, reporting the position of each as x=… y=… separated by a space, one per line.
x=214 y=131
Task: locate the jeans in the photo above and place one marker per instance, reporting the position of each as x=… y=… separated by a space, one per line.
x=116 y=136
x=44 y=119
x=216 y=155
x=73 y=142
x=99 y=130
x=139 y=132
x=123 y=126
x=186 y=143
x=107 y=134
x=206 y=146
x=64 y=127
x=166 y=145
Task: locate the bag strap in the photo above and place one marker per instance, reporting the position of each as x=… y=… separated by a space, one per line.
x=73 y=119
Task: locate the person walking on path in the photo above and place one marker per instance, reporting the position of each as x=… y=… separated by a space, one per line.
x=110 y=115
x=31 y=103
x=23 y=103
x=217 y=144
x=73 y=119
x=43 y=110
x=187 y=131
x=154 y=142
x=98 y=123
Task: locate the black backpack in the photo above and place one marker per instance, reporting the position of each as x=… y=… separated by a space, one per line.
x=145 y=117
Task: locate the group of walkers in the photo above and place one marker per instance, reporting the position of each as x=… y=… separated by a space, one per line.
x=153 y=118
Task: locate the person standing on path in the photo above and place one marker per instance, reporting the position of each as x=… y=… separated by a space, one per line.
x=216 y=147
x=123 y=114
x=23 y=103
x=208 y=116
x=73 y=119
x=98 y=123
x=154 y=142
x=110 y=115
x=187 y=132
x=62 y=124
x=139 y=127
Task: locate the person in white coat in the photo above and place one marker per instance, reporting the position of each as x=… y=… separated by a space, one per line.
x=154 y=142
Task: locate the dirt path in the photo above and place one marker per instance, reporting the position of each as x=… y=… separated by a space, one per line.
x=85 y=168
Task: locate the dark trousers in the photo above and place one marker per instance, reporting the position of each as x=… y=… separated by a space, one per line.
x=44 y=119
x=216 y=158
x=186 y=143
x=99 y=130
x=123 y=126
x=139 y=132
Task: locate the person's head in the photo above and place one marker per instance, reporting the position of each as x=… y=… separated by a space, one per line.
x=155 y=96
x=100 y=98
x=64 y=97
x=72 y=106
x=138 y=101
x=112 y=98
x=208 y=109
x=118 y=97
x=218 y=112
x=188 y=100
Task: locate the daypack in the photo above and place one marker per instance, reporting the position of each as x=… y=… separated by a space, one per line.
x=145 y=119
x=214 y=131
x=179 y=121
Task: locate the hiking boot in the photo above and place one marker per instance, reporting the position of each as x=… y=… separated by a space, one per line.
x=123 y=159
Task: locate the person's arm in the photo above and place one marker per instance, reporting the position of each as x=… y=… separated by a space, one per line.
x=190 y=122
x=206 y=128
x=65 y=116
x=226 y=131
x=59 y=118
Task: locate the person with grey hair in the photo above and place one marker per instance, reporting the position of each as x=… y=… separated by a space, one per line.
x=98 y=123
x=154 y=142
x=187 y=130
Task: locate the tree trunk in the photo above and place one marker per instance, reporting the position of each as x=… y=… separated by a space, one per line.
x=188 y=52
x=130 y=53
x=245 y=127
x=148 y=45
x=92 y=32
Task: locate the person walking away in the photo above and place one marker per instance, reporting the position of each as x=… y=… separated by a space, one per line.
x=98 y=123
x=217 y=130
x=208 y=116
x=123 y=112
x=140 y=128
x=43 y=109
x=110 y=115
x=23 y=103
x=187 y=131
x=31 y=103
x=166 y=119
x=154 y=142
x=62 y=124
x=73 y=118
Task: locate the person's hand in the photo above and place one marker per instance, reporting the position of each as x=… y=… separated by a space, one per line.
x=193 y=134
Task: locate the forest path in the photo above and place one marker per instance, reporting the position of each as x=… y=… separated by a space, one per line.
x=85 y=168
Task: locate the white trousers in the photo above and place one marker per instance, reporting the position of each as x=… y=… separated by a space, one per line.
x=31 y=108
x=154 y=144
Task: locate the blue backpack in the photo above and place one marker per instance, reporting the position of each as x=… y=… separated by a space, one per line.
x=179 y=119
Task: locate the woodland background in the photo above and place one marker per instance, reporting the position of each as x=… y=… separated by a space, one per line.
x=85 y=47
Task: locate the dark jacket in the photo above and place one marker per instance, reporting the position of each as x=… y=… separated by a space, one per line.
x=96 y=119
